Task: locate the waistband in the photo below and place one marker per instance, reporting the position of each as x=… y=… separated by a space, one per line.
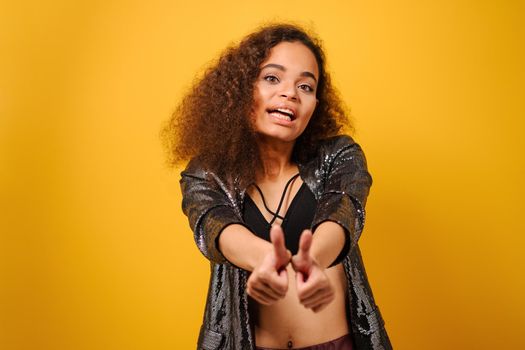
x=341 y=343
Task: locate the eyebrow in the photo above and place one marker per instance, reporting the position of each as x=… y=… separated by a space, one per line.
x=280 y=67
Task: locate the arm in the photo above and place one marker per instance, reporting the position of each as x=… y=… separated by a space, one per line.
x=242 y=248
x=346 y=186
x=327 y=242
x=221 y=236
x=208 y=209
x=338 y=223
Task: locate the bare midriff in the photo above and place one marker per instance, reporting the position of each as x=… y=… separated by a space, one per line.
x=288 y=322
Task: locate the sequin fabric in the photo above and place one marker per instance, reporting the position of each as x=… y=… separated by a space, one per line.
x=340 y=181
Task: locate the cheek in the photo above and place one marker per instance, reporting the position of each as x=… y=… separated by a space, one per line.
x=256 y=117
x=310 y=109
x=309 y=112
x=257 y=103
x=253 y=117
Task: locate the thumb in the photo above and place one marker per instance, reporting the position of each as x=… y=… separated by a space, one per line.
x=281 y=253
x=301 y=261
x=305 y=243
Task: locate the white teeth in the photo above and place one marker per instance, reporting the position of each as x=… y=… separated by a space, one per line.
x=286 y=110
x=281 y=116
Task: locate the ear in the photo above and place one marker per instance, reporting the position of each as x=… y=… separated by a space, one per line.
x=316 y=102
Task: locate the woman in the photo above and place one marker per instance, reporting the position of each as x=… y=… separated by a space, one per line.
x=275 y=197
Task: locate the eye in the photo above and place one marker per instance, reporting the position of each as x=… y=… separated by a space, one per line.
x=306 y=87
x=271 y=78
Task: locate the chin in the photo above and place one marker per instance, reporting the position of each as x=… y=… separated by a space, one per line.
x=278 y=133
x=279 y=137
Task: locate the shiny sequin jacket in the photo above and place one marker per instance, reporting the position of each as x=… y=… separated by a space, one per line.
x=339 y=179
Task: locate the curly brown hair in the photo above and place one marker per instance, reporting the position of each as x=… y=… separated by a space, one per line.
x=212 y=120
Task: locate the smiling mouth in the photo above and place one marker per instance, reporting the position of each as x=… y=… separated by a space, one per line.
x=283 y=114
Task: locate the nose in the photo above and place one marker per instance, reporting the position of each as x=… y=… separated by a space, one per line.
x=288 y=90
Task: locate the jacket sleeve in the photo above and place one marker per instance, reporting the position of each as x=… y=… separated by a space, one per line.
x=346 y=182
x=208 y=208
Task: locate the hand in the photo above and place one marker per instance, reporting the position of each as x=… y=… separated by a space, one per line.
x=268 y=281
x=314 y=289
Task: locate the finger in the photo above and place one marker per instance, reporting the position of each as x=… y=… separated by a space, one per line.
x=269 y=283
x=305 y=242
x=259 y=296
x=305 y=289
x=277 y=238
x=315 y=297
x=302 y=260
x=311 y=287
x=262 y=299
x=289 y=254
x=265 y=290
x=322 y=305
x=280 y=282
x=273 y=290
x=278 y=285
x=268 y=291
x=300 y=264
x=318 y=299
x=299 y=280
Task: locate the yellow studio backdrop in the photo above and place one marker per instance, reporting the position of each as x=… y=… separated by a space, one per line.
x=95 y=252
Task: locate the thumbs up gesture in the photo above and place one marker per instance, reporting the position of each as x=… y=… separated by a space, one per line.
x=268 y=281
x=314 y=289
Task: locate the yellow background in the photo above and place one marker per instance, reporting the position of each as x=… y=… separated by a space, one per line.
x=95 y=252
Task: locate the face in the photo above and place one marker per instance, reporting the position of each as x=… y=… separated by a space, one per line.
x=285 y=92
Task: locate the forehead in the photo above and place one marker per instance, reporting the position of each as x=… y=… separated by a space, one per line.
x=294 y=56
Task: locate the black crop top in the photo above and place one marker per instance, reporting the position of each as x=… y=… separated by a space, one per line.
x=298 y=217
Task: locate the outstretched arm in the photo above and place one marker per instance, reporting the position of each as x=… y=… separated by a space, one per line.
x=242 y=248
x=327 y=242
x=337 y=224
x=346 y=184
x=221 y=236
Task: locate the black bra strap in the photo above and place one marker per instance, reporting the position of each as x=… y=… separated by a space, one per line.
x=265 y=206
x=276 y=215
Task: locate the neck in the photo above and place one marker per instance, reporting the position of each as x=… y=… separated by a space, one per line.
x=276 y=157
